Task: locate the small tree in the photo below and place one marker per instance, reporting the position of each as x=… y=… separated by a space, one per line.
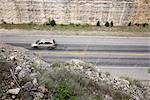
x=107 y=24
x=98 y=23
x=129 y=24
x=145 y=24
x=53 y=23
x=111 y=24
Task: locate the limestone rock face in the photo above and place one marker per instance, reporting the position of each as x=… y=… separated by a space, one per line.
x=121 y=12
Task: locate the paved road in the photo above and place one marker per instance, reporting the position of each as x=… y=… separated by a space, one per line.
x=115 y=54
x=103 y=51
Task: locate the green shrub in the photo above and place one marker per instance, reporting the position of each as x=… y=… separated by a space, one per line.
x=111 y=24
x=78 y=24
x=145 y=24
x=98 y=23
x=53 y=23
x=107 y=24
x=129 y=24
x=63 y=92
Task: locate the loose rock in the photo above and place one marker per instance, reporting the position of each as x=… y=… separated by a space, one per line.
x=14 y=91
x=34 y=81
x=18 y=68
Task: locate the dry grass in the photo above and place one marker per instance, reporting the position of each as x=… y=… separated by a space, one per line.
x=77 y=85
x=76 y=28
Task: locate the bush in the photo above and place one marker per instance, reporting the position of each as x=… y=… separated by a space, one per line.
x=63 y=92
x=145 y=24
x=129 y=24
x=98 y=23
x=111 y=24
x=77 y=24
x=136 y=24
x=53 y=23
x=107 y=24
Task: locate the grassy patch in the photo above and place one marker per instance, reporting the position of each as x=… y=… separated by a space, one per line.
x=64 y=92
x=76 y=27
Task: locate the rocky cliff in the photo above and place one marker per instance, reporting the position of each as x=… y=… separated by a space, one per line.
x=121 y=12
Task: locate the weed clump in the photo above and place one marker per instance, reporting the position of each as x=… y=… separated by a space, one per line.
x=111 y=24
x=68 y=82
x=98 y=23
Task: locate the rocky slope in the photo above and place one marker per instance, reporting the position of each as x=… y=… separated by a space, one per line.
x=26 y=76
x=121 y=12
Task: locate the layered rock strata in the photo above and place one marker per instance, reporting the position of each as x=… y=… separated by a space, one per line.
x=121 y=12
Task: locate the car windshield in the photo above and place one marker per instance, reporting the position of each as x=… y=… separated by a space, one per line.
x=37 y=41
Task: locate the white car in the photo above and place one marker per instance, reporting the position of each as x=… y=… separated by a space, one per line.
x=44 y=43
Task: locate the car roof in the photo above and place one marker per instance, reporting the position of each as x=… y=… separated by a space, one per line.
x=46 y=40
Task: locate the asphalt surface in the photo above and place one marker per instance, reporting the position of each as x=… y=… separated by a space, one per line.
x=104 y=51
x=110 y=52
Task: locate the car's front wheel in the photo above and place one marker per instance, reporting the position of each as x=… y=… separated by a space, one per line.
x=35 y=47
x=51 y=48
